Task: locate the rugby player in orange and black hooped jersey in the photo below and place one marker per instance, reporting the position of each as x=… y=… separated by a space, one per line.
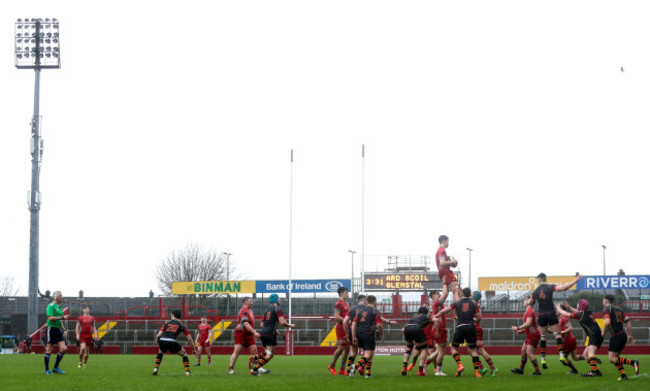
x=414 y=335
x=422 y=353
x=269 y=334
x=615 y=319
x=364 y=326
x=592 y=331
x=347 y=323
x=546 y=314
x=166 y=340
x=476 y=297
x=245 y=335
x=466 y=311
x=341 y=310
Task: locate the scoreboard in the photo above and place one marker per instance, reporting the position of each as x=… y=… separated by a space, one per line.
x=402 y=281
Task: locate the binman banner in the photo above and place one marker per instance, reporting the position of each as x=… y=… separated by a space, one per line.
x=212 y=287
x=259 y=286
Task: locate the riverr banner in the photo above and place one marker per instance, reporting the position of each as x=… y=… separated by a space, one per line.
x=519 y=283
x=614 y=282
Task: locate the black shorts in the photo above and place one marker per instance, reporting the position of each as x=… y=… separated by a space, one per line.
x=465 y=333
x=617 y=342
x=596 y=340
x=269 y=340
x=54 y=335
x=414 y=334
x=366 y=340
x=169 y=346
x=547 y=319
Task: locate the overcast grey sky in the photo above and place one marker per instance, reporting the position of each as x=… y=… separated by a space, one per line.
x=507 y=125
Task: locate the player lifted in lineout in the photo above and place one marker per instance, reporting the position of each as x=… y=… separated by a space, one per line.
x=270 y=320
x=166 y=340
x=445 y=263
x=203 y=340
x=341 y=310
x=86 y=332
x=547 y=317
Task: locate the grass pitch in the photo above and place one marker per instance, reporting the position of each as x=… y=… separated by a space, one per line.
x=134 y=372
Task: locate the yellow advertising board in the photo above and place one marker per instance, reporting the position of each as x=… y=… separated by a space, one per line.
x=518 y=283
x=212 y=287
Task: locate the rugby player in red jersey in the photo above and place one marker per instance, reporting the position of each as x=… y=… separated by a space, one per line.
x=341 y=310
x=245 y=335
x=570 y=343
x=166 y=340
x=614 y=320
x=532 y=338
x=203 y=340
x=439 y=333
x=445 y=263
x=86 y=332
x=476 y=296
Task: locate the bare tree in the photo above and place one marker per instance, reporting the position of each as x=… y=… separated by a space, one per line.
x=192 y=263
x=7 y=290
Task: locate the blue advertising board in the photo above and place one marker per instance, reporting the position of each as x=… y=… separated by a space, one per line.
x=300 y=286
x=613 y=282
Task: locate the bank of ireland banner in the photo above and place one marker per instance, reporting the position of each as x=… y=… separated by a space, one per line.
x=301 y=286
x=614 y=282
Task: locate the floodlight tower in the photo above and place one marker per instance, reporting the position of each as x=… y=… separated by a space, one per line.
x=36 y=47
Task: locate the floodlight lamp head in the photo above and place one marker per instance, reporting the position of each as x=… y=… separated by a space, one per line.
x=37 y=43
